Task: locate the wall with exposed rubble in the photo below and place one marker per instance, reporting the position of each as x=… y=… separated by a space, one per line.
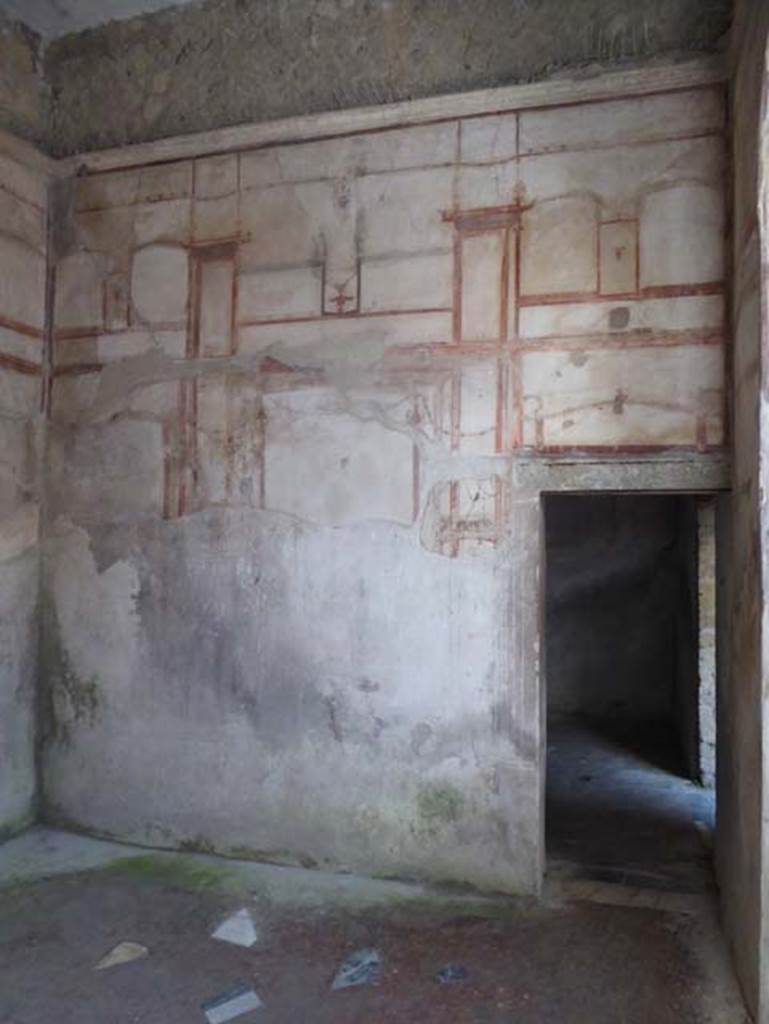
x=24 y=95
x=22 y=308
x=292 y=577
x=224 y=62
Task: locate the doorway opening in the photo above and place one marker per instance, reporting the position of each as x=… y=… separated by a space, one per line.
x=630 y=677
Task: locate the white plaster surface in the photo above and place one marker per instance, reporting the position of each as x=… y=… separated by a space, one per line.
x=330 y=468
x=159 y=283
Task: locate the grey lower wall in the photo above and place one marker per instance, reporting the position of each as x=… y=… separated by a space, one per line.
x=226 y=61
x=256 y=684
x=18 y=671
x=22 y=300
x=620 y=640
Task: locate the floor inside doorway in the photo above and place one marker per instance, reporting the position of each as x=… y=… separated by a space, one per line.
x=66 y=900
x=619 y=808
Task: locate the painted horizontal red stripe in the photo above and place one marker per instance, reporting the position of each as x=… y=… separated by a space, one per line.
x=368 y=315
x=579 y=343
x=621 y=339
x=78 y=369
x=19 y=328
x=622 y=449
x=86 y=333
x=662 y=291
x=29 y=369
x=22 y=199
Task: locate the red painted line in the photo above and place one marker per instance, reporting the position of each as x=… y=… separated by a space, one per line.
x=620 y=449
x=560 y=343
x=665 y=291
x=595 y=147
x=21 y=199
x=85 y=333
x=17 y=365
x=221 y=251
x=456 y=287
x=482 y=219
x=622 y=339
x=504 y=286
x=516 y=383
x=77 y=369
x=80 y=333
x=622 y=97
x=368 y=315
x=38 y=333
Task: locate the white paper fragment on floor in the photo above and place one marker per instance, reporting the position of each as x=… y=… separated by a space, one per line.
x=123 y=953
x=230 y=1004
x=238 y=929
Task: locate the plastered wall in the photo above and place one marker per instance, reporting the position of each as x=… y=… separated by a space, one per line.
x=22 y=307
x=292 y=573
x=742 y=538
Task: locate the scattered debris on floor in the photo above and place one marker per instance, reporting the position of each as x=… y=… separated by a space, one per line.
x=451 y=974
x=123 y=953
x=363 y=967
x=238 y=929
x=587 y=954
x=232 y=1003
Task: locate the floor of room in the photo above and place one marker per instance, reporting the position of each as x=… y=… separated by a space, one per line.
x=601 y=953
x=619 y=808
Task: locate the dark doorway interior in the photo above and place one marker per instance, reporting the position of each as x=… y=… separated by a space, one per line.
x=628 y=719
